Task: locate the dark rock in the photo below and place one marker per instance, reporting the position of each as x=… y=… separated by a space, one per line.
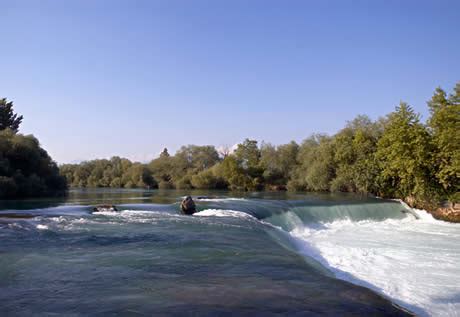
x=188 y=206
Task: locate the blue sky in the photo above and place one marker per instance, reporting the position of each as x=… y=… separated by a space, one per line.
x=100 y=78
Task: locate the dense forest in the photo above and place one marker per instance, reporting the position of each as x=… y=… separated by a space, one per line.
x=396 y=156
x=26 y=169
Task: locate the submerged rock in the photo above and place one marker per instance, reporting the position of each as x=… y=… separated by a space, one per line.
x=188 y=206
x=100 y=208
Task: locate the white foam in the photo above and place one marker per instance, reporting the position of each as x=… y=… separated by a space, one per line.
x=127 y=213
x=42 y=227
x=221 y=199
x=223 y=213
x=108 y=213
x=138 y=216
x=413 y=262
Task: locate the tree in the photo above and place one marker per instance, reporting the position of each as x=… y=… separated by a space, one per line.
x=403 y=153
x=354 y=155
x=138 y=176
x=116 y=172
x=248 y=154
x=162 y=168
x=396 y=156
x=444 y=126
x=278 y=162
x=205 y=180
x=9 y=119
x=234 y=175
x=164 y=153
x=197 y=157
x=26 y=169
x=316 y=167
x=224 y=151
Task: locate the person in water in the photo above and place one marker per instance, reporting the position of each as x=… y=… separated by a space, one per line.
x=188 y=206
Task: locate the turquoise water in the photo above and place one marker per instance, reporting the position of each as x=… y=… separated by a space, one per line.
x=237 y=256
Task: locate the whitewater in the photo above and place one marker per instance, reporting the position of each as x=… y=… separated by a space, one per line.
x=414 y=261
x=258 y=253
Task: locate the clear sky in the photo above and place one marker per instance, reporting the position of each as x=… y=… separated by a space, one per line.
x=100 y=78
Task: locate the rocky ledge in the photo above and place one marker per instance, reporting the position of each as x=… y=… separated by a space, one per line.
x=450 y=212
x=446 y=211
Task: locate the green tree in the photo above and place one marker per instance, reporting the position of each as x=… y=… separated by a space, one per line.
x=354 y=156
x=234 y=175
x=403 y=153
x=250 y=174
x=278 y=162
x=248 y=154
x=162 y=168
x=444 y=124
x=9 y=119
x=316 y=168
x=205 y=179
x=26 y=169
x=197 y=157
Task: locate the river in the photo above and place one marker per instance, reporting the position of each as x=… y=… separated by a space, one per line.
x=266 y=254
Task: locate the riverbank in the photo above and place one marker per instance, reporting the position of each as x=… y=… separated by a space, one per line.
x=445 y=211
x=449 y=213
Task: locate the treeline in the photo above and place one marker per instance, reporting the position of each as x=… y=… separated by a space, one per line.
x=396 y=156
x=116 y=172
x=26 y=169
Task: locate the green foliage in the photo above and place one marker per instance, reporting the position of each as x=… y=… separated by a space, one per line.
x=354 y=157
x=176 y=171
x=248 y=154
x=206 y=180
x=164 y=172
x=444 y=124
x=316 y=168
x=403 y=153
x=277 y=163
x=165 y=185
x=184 y=183
x=197 y=158
x=116 y=172
x=247 y=174
x=26 y=170
x=233 y=175
x=9 y=119
x=162 y=167
x=395 y=156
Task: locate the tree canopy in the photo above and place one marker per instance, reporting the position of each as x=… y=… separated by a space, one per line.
x=444 y=128
x=9 y=119
x=26 y=169
x=394 y=156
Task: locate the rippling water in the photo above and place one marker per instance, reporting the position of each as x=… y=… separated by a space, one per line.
x=254 y=254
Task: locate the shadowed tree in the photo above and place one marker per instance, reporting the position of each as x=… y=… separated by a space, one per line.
x=8 y=119
x=26 y=169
